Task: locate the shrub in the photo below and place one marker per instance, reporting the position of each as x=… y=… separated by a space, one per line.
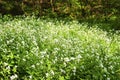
x=33 y=48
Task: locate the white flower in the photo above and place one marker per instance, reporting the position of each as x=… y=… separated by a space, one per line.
x=16 y=66
x=74 y=69
x=56 y=49
x=13 y=77
x=43 y=52
x=52 y=72
x=30 y=77
x=108 y=78
x=45 y=37
x=66 y=59
x=111 y=67
x=8 y=67
x=63 y=45
x=33 y=66
x=38 y=64
x=24 y=59
x=10 y=41
x=72 y=58
x=23 y=42
x=47 y=74
x=63 y=71
x=64 y=64
x=79 y=56
x=5 y=63
x=56 y=40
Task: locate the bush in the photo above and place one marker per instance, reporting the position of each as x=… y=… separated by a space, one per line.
x=33 y=48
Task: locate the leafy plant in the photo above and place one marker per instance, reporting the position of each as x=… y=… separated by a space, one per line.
x=34 y=48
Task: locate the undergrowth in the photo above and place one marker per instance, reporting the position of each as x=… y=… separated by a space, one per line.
x=38 y=49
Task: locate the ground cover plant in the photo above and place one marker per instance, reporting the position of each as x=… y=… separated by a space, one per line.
x=38 y=49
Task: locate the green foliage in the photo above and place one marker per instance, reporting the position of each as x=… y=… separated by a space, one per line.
x=75 y=9
x=40 y=49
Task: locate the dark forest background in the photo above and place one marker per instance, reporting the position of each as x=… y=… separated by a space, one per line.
x=103 y=10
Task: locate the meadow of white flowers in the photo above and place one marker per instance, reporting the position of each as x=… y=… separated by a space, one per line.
x=38 y=49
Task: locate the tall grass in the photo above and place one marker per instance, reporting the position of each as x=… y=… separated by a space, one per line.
x=40 y=49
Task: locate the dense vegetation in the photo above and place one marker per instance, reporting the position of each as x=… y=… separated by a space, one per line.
x=104 y=10
x=64 y=40
x=37 y=49
x=71 y=8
